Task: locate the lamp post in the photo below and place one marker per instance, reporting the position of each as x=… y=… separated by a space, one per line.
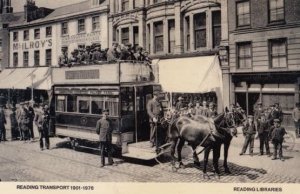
x=32 y=77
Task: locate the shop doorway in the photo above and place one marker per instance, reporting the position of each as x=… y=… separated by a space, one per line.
x=247 y=105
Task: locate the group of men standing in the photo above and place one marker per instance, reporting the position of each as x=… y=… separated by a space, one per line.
x=267 y=123
x=22 y=120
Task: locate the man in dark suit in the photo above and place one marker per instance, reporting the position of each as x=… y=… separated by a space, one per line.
x=277 y=136
x=2 y=121
x=29 y=106
x=42 y=119
x=104 y=130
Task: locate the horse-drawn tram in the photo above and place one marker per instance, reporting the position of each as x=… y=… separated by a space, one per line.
x=81 y=93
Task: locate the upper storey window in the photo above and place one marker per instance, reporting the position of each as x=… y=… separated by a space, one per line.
x=64 y=28
x=243 y=13
x=125 y=5
x=200 y=30
x=276 y=10
x=81 y=25
x=158 y=37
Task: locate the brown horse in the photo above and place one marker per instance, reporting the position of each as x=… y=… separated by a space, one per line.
x=205 y=132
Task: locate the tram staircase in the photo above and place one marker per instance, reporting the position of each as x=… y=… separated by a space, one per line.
x=140 y=150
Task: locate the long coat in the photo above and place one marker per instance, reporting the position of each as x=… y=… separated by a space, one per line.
x=2 y=120
x=104 y=130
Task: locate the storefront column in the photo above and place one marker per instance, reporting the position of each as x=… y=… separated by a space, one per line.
x=120 y=6
x=166 y=35
x=297 y=90
x=110 y=32
x=112 y=7
x=131 y=4
x=192 y=42
x=151 y=39
x=247 y=99
x=178 y=29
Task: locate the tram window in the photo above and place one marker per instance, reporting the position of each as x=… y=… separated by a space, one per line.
x=71 y=103
x=112 y=105
x=97 y=105
x=127 y=100
x=84 y=104
x=60 y=103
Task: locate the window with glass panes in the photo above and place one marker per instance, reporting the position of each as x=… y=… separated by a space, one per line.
x=136 y=36
x=15 y=36
x=158 y=36
x=125 y=36
x=15 y=59
x=125 y=5
x=188 y=36
x=200 y=30
x=49 y=31
x=81 y=25
x=276 y=10
x=244 y=55
x=96 y=23
x=64 y=28
x=36 y=58
x=48 y=57
x=278 y=53
x=37 y=33
x=216 y=21
x=26 y=35
x=25 y=58
x=60 y=103
x=171 y=32
x=243 y=13
x=71 y=103
x=83 y=104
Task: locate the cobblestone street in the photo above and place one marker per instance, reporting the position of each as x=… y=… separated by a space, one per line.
x=21 y=161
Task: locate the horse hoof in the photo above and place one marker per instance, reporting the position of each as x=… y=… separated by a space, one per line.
x=217 y=176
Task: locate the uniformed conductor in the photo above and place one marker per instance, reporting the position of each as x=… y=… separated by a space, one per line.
x=104 y=130
x=155 y=112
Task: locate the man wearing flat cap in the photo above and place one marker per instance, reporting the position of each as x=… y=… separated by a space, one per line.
x=155 y=112
x=258 y=112
x=263 y=130
x=249 y=131
x=104 y=130
x=277 y=133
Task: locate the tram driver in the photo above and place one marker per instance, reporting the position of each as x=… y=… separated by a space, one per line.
x=155 y=112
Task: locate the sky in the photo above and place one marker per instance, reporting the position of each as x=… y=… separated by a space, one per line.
x=18 y=5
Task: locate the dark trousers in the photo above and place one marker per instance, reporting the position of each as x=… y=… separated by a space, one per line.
x=3 y=135
x=249 y=139
x=153 y=128
x=21 y=132
x=44 y=134
x=26 y=134
x=264 y=142
x=106 y=146
x=1 y=130
x=277 y=148
x=14 y=132
x=297 y=126
x=157 y=134
x=30 y=126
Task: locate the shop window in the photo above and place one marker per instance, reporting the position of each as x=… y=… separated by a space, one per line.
x=26 y=35
x=71 y=103
x=200 y=30
x=125 y=5
x=276 y=10
x=188 y=36
x=136 y=36
x=278 y=53
x=83 y=104
x=125 y=36
x=96 y=23
x=60 y=103
x=64 y=28
x=37 y=33
x=49 y=31
x=15 y=59
x=244 y=55
x=25 y=58
x=81 y=26
x=15 y=36
x=171 y=31
x=216 y=22
x=158 y=37
x=48 y=57
x=36 y=58
x=243 y=13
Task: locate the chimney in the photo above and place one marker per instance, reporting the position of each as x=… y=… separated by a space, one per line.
x=29 y=7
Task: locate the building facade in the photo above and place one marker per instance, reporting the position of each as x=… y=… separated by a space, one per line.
x=264 y=50
x=38 y=41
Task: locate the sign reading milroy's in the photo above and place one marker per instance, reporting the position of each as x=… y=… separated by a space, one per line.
x=37 y=44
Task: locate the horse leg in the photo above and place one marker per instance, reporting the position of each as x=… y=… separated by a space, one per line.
x=179 y=149
x=195 y=156
x=216 y=157
x=173 y=146
x=206 y=155
x=226 y=148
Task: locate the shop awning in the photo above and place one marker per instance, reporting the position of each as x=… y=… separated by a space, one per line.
x=191 y=75
x=22 y=78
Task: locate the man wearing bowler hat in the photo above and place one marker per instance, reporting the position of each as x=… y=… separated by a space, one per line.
x=104 y=130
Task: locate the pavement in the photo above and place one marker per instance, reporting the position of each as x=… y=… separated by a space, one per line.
x=20 y=161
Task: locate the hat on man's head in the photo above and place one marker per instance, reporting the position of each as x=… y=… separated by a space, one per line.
x=276 y=121
x=180 y=98
x=105 y=111
x=26 y=102
x=22 y=103
x=156 y=93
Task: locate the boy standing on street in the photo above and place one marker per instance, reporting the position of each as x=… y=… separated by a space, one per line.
x=249 y=131
x=263 y=134
x=277 y=133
